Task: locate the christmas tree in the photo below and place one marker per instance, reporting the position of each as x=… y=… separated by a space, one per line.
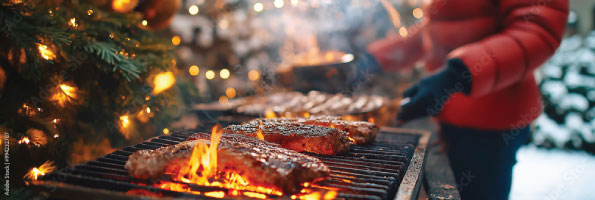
x=79 y=78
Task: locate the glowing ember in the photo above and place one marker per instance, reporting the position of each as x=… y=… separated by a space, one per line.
x=37 y=172
x=202 y=170
x=259 y=132
x=163 y=81
x=255 y=195
x=216 y=194
x=45 y=52
x=125 y=121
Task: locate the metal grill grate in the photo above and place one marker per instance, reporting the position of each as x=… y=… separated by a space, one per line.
x=366 y=172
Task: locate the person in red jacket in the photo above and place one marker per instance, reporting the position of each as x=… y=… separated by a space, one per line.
x=482 y=54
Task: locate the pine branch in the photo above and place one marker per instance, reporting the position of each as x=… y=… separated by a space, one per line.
x=108 y=53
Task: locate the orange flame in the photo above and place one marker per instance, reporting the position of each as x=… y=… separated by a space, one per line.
x=259 y=132
x=36 y=172
x=270 y=114
x=202 y=170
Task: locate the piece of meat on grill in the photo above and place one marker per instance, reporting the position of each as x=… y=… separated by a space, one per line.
x=361 y=132
x=295 y=135
x=260 y=162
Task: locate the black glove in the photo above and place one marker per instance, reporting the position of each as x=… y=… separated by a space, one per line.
x=429 y=95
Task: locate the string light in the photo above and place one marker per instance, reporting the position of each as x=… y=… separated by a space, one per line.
x=45 y=52
x=224 y=73
x=193 y=70
x=258 y=7
x=210 y=74
x=73 y=23
x=165 y=131
x=403 y=31
x=418 y=13
x=176 y=40
x=254 y=75
x=148 y=110
x=230 y=92
x=163 y=81
x=64 y=94
x=278 y=3
x=125 y=121
x=89 y=12
x=193 y=10
x=144 y=22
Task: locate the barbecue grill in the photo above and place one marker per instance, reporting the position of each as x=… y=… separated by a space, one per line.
x=390 y=168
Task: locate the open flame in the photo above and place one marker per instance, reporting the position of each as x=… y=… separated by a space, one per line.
x=202 y=170
x=40 y=171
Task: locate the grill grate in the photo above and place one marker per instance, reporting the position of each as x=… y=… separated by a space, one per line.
x=365 y=172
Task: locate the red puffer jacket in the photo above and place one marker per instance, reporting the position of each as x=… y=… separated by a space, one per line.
x=501 y=42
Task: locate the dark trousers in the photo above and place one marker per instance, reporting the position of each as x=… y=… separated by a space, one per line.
x=482 y=160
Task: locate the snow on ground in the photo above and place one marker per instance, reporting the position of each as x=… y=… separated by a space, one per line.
x=553 y=174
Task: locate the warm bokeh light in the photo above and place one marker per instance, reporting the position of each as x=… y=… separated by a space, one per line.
x=223 y=100
x=165 y=131
x=254 y=75
x=224 y=73
x=418 y=13
x=294 y=3
x=45 y=52
x=403 y=32
x=193 y=70
x=163 y=81
x=148 y=110
x=125 y=121
x=36 y=172
x=176 y=40
x=72 y=23
x=193 y=10
x=89 y=12
x=230 y=92
x=123 y=6
x=64 y=94
x=144 y=22
x=210 y=74
x=258 y=7
x=278 y=3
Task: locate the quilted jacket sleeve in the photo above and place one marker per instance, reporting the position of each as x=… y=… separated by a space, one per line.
x=531 y=32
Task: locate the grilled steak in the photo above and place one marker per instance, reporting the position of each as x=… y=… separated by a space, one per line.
x=260 y=162
x=295 y=135
x=360 y=131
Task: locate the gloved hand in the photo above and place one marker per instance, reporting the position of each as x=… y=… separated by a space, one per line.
x=429 y=95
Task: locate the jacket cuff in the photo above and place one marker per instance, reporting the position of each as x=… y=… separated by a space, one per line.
x=462 y=74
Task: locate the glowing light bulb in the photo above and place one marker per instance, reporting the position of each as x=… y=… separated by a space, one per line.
x=89 y=12
x=165 y=131
x=418 y=13
x=193 y=70
x=144 y=22
x=278 y=3
x=230 y=92
x=163 y=81
x=45 y=52
x=210 y=74
x=72 y=22
x=403 y=31
x=224 y=73
x=254 y=75
x=258 y=7
x=193 y=10
x=176 y=40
